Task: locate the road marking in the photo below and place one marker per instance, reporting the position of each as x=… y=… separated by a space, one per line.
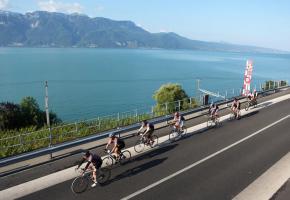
x=264 y=187
x=202 y=160
x=68 y=174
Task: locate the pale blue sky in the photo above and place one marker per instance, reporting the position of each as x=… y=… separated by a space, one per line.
x=254 y=22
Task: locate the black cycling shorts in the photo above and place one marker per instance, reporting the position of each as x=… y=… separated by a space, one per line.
x=121 y=145
x=149 y=133
x=98 y=164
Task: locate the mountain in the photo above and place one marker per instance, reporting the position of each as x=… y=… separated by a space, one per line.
x=47 y=29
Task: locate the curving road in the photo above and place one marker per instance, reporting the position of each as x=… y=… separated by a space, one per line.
x=215 y=164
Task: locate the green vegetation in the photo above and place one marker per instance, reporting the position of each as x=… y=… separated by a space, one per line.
x=170 y=98
x=23 y=126
x=273 y=84
x=25 y=114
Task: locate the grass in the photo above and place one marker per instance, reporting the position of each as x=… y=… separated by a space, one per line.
x=14 y=142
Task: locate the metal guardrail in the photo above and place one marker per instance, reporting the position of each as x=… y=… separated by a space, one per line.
x=59 y=147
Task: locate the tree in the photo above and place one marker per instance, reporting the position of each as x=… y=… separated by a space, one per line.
x=10 y=116
x=31 y=111
x=28 y=113
x=167 y=97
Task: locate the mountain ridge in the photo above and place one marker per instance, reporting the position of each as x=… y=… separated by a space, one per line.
x=52 y=29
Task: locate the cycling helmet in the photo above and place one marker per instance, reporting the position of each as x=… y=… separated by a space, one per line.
x=87 y=153
x=176 y=114
x=145 y=122
x=112 y=135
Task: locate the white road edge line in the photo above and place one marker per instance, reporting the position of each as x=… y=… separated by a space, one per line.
x=47 y=181
x=264 y=187
x=202 y=160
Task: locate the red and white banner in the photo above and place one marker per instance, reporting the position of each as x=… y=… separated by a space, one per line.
x=247 y=78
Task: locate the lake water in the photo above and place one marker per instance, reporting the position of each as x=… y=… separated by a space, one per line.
x=86 y=83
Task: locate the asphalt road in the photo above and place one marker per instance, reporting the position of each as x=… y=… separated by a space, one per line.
x=220 y=177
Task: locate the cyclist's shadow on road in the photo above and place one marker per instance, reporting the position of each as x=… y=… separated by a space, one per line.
x=249 y=114
x=144 y=166
x=138 y=169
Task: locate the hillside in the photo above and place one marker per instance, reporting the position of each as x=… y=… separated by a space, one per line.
x=46 y=29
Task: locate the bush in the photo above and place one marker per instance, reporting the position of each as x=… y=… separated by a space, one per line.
x=171 y=97
x=27 y=113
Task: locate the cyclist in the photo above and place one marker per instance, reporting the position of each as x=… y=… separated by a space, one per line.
x=255 y=96
x=214 y=112
x=118 y=143
x=148 y=132
x=250 y=96
x=236 y=106
x=94 y=163
x=178 y=121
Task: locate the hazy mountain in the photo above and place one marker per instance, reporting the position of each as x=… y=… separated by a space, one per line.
x=46 y=29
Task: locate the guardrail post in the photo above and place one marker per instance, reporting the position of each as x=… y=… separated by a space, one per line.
x=226 y=95
x=152 y=111
x=20 y=139
x=233 y=91
x=179 y=105
x=240 y=91
x=136 y=115
x=76 y=127
x=166 y=107
x=50 y=141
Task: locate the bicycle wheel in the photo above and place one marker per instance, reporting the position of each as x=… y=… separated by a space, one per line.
x=139 y=146
x=232 y=116
x=172 y=135
x=80 y=184
x=125 y=157
x=108 y=161
x=209 y=123
x=255 y=103
x=104 y=175
x=184 y=131
x=155 y=141
x=247 y=106
x=217 y=122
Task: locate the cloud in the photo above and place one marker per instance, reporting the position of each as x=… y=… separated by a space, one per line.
x=4 y=4
x=58 y=6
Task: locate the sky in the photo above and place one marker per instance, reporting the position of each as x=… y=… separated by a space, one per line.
x=264 y=23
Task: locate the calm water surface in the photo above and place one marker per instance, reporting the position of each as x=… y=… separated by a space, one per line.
x=86 y=83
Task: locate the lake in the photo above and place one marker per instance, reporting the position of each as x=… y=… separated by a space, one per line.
x=86 y=83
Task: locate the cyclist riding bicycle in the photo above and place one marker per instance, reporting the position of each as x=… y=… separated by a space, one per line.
x=118 y=143
x=148 y=132
x=178 y=121
x=94 y=163
x=255 y=94
x=236 y=106
x=252 y=97
x=214 y=112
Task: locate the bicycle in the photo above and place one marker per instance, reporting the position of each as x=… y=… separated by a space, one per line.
x=81 y=183
x=143 y=141
x=233 y=114
x=251 y=103
x=213 y=121
x=176 y=133
x=125 y=156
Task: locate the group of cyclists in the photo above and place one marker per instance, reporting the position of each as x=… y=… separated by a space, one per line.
x=235 y=107
x=94 y=161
